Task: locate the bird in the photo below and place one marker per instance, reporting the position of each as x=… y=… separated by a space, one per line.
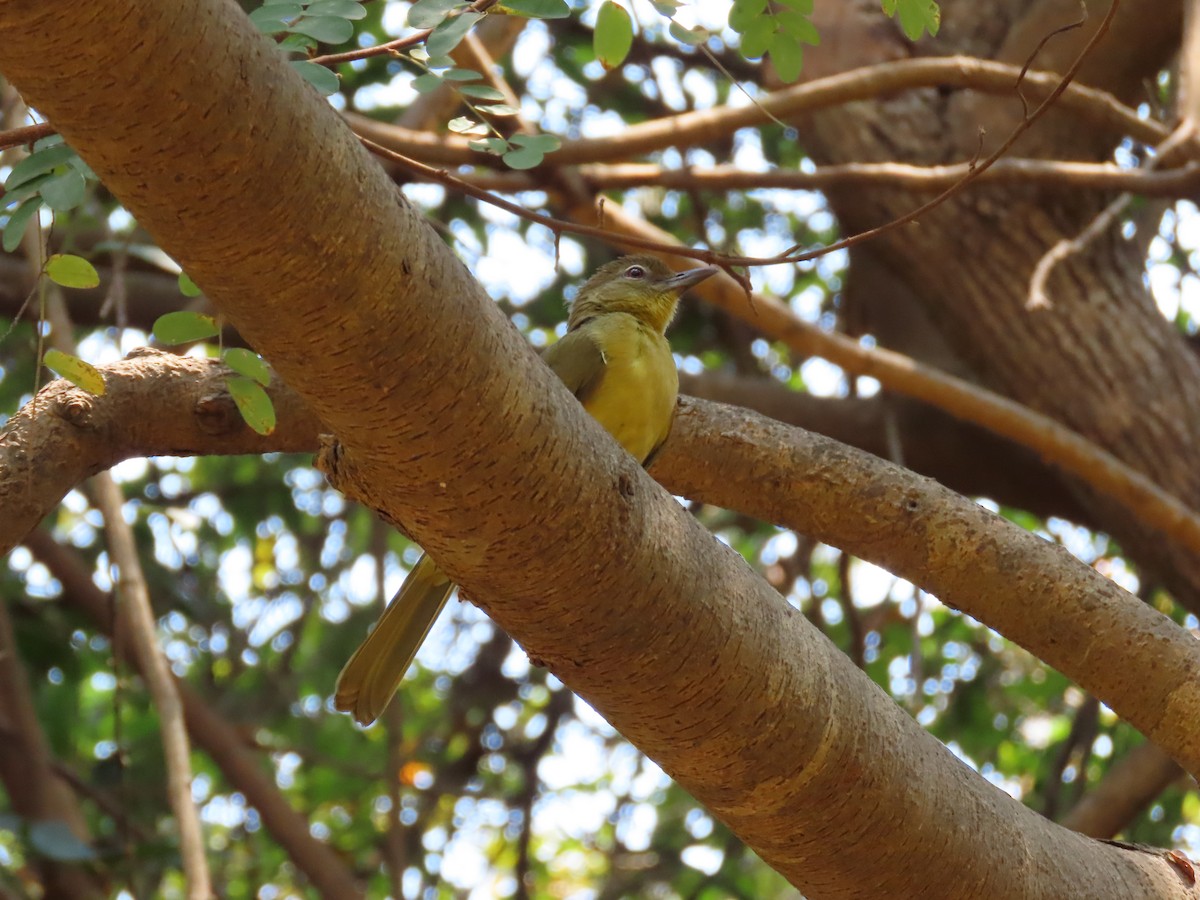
x=616 y=360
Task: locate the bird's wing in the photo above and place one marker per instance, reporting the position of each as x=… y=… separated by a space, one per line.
x=579 y=361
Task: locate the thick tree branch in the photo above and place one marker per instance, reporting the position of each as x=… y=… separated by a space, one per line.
x=447 y=422
x=913 y=527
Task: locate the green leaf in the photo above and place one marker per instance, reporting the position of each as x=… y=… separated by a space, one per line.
x=14 y=229
x=325 y=81
x=343 y=9
x=253 y=403
x=55 y=840
x=743 y=13
x=457 y=74
x=326 y=29
x=72 y=271
x=546 y=143
x=275 y=17
x=499 y=109
x=757 y=37
x=431 y=13
x=798 y=27
x=187 y=287
x=298 y=42
x=480 y=91
x=465 y=125
x=690 y=36
x=426 y=82
x=77 y=163
x=493 y=145
x=445 y=37
x=666 y=8
x=65 y=191
x=75 y=370
x=800 y=6
x=787 y=56
x=613 y=35
x=919 y=16
x=184 y=327
x=38 y=163
x=29 y=189
x=539 y=9
x=524 y=158
x=248 y=363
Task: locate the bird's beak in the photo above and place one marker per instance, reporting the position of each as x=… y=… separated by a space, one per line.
x=683 y=280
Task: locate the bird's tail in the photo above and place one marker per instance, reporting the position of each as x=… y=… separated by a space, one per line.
x=373 y=673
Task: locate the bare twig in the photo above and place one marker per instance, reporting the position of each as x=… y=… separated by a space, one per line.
x=1104 y=220
x=794 y=254
x=1066 y=174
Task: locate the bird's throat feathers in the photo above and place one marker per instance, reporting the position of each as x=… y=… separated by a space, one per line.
x=654 y=310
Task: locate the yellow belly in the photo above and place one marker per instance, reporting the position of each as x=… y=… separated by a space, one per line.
x=636 y=398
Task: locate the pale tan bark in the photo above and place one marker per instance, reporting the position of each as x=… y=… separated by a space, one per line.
x=448 y=423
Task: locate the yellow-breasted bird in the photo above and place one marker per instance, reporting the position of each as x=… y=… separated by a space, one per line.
x=617 y=362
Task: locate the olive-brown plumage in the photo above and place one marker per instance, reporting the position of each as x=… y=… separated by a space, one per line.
x=616 y=360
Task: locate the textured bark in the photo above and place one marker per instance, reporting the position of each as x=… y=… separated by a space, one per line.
x=447 y=421
x=965 y=458
x=1099 y=356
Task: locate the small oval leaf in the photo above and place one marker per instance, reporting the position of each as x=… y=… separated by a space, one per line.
x=187 y=287
x=613 y=36
x=430 y=13
x=326 y=29
x=38 y=163
x=72 y=271
x=248 y=363
x=448 y=34
x=343 y=9
x=14 y=228
x=184 y=327
x=75 y=370
x=480 y=91
x=539 y=9
x=318 y=76
x=65 y=191
x=690 y=36
x=524 y=158
x=253 y=403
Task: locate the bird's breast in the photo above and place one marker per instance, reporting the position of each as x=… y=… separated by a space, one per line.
x=635 y=400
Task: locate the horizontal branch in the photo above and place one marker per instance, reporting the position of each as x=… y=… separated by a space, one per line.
x=1063 y=174
x=730 y=457
x=1058 y=445
x=693 y=128
x=1028 y=589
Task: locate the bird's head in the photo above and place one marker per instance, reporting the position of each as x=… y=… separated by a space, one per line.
x=639 y=285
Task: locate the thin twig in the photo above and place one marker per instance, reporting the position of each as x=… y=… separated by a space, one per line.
x=793 y=254
x=391 y=48
x=1106 y=218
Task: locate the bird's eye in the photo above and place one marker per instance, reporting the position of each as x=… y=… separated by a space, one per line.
x=635 y=272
